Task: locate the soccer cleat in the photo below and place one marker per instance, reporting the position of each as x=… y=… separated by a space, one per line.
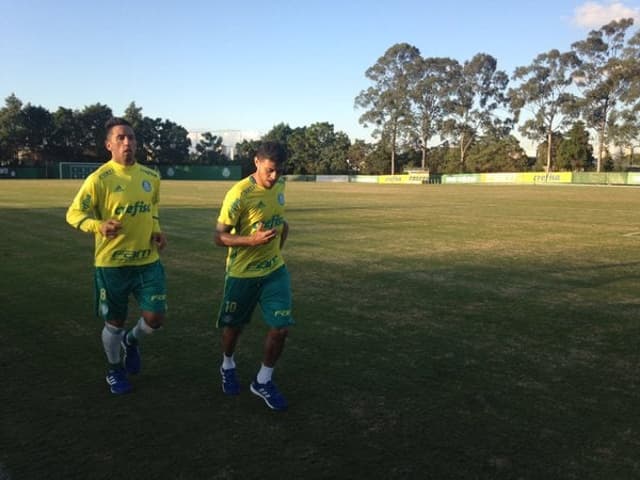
x=118 y=382
x=270 y=394
x=230 y=384
x=132 y=360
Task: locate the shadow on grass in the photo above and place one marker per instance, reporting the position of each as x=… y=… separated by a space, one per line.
x=409 y=368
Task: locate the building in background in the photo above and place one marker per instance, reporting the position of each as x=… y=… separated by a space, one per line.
x=229 y=138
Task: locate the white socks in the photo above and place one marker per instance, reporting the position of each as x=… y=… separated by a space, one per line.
x=140 y=330
x=111 y=339
x=264 y=375
x=228 y=362
x=113 y=336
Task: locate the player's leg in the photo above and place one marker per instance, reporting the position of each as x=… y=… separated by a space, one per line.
x=150 y=292
x=239 y=300
x=230 y=336
x=275 y=302
x=111 y=305
x=273 y=347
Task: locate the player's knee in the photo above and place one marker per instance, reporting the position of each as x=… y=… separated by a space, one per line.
x=115 y=323
x=280 y=333
x=154 y=320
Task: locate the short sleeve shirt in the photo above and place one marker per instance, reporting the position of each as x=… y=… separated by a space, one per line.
x=246 y=206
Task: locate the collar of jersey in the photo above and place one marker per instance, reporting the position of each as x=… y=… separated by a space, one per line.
x=122 y=168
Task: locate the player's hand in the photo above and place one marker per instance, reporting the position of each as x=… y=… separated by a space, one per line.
x=110 y=228
x=160 y=240
x=261 y=236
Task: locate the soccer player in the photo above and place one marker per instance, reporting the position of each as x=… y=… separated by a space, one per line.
x=118 y=203
x=252 y=225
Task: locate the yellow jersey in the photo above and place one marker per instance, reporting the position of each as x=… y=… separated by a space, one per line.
x=246 y=206
x=129 y=194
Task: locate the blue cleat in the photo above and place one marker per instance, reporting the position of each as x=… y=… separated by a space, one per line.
x=230 y=384
x=132 y=360
x=270 y=394
x=118 y=382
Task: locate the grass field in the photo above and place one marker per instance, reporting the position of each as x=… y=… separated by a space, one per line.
x=467 y=332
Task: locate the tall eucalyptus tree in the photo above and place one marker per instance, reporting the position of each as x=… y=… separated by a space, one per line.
x=545 y=90
x=473 y=109
x=433 y=87
x=603 y=78
x=386 y=102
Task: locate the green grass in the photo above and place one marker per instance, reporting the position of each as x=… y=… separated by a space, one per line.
x=443 y=332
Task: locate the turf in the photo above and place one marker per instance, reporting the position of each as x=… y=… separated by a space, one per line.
x=482 y=332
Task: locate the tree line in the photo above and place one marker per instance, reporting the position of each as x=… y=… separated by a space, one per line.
x=430 y=113
x=591 y=90
x=31 y=135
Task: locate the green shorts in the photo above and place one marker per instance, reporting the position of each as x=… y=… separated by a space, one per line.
x=114 y=285
x=241 y=295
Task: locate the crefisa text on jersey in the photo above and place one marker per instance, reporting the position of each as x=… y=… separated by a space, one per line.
x=138 y=207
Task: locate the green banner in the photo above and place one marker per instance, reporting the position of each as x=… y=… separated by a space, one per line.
x=595 y=178
x=633 y=178
x=592 y=178
x=23 y=172
x=462 y=178
x=200 y=172
x=617 y=178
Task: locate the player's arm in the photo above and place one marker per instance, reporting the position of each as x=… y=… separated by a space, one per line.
x=158 y=237
x=81 y=213
x=160 y=240
x=224 y=238
x=284 y=234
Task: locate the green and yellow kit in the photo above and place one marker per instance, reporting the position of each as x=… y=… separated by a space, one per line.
x=248 y=207
x=129 y=194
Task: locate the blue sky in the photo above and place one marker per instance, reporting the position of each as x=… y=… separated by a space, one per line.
x=249 y=65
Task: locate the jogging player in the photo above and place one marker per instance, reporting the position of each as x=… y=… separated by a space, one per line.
x=118 y=203
x=252 y=225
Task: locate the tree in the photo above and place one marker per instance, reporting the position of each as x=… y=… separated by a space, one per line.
x=318 y=149
x=357 y=156
x=575 y=153
x=544 y=148
x=37 y=123
x=626 y=127
x=91 y=121
x=300 y=155
x=431 y=88
x=209 y=150
x=602 y=77
x=472 y=110
x=245 y=154
x=377 y=160
x=11 y=129
x=387 y=102
x=280 y=133
x=133 y=114
x=169 y=143
x=335 y=153
x=66 y=137
x=544 y=88
x=631 y=59
x=445 y=159
x=497 y=154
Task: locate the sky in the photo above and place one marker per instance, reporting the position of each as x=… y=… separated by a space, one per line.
x=249 y=65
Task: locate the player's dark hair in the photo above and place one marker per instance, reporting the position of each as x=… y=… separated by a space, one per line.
x=273 y=151
x=114 y=122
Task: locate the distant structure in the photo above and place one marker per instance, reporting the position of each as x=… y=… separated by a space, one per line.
x=229 y=138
